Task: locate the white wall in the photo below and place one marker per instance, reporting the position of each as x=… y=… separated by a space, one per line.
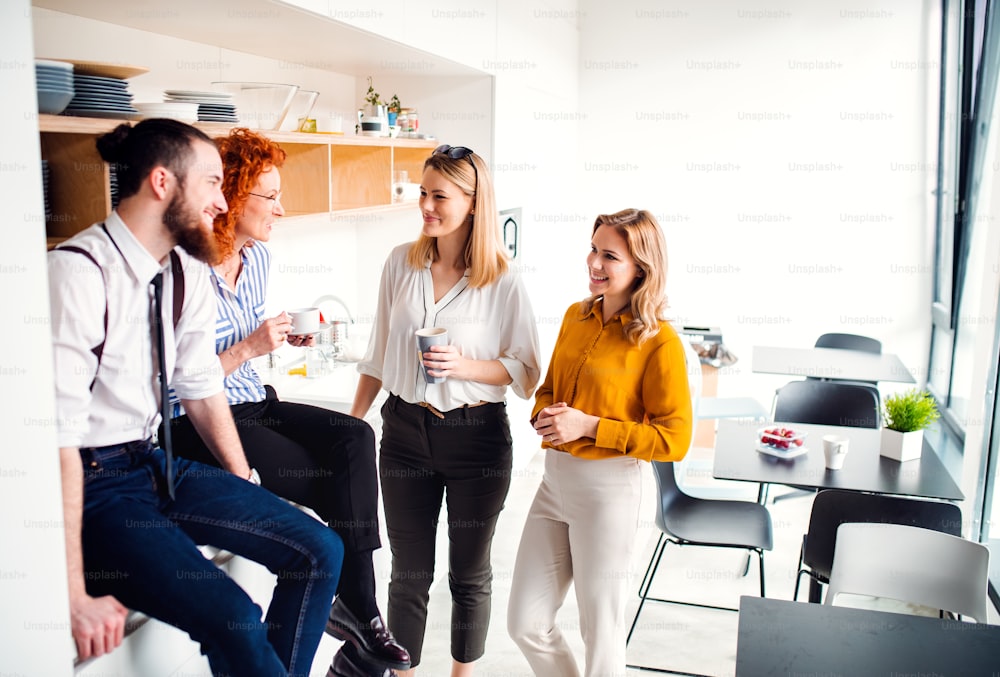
x=787 y=149
x=34 y=621
x=789 y=152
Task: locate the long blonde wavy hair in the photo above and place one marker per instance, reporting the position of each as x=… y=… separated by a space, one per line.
x=648 y=303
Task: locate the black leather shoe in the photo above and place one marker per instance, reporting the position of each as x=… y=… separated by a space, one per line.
x=373 y=641
x=347 y=663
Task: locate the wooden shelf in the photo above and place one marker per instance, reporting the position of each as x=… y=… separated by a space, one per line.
x=322 y=172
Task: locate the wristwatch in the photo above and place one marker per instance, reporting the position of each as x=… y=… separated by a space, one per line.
x=254 y=477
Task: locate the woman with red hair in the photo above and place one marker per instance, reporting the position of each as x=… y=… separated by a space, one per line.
x=315 y=457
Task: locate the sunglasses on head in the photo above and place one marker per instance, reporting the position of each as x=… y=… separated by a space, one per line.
x=454 y=152
x=457 y=153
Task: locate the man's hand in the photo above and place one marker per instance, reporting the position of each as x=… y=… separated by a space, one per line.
x=98 y=625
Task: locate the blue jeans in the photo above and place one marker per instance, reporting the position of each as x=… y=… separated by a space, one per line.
x=141 y=547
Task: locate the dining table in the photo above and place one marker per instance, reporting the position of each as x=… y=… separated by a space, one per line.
x=778 y=638
x=830 y=363
x=864 y=468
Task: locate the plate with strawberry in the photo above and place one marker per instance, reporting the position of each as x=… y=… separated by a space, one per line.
x=781 y=441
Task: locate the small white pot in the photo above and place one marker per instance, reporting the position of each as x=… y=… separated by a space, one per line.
x=902 y=446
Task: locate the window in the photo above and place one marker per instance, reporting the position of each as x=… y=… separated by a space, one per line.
x=968 y=85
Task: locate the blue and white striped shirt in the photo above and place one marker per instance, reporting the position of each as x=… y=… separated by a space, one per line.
x=238 y=314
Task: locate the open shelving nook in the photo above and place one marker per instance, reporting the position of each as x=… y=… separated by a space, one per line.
x=322 y=172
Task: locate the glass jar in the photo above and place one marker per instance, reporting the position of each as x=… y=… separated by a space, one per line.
x=408 y=120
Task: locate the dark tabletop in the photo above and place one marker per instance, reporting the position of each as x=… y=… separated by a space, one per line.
x=864 y=468
x=783 y=638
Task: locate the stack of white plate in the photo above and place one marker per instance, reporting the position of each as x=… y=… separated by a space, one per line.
x=177 y=110
x=54 y=84
x=97 y=96
x=212 y=106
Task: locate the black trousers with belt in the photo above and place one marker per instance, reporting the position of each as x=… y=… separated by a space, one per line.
x=322 y=459
x=464 y=459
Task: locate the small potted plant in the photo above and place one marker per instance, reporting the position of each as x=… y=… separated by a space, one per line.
x=372 y=98
x=372 y=118
x=905 y=416
x=393 y=109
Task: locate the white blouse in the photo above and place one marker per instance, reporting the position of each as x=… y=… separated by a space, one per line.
x=489 y=323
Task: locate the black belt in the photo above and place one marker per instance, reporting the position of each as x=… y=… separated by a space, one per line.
x=465 y=411
x=92 y=455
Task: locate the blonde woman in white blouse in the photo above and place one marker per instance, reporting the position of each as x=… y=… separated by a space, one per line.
x=448 y=441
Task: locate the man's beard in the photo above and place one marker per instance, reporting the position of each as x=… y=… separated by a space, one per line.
x=185 y=225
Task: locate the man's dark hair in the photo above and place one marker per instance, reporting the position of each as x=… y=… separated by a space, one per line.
x=135 y=151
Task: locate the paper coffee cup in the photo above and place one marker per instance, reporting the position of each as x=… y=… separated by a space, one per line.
x=427 y=337
x=834 y=451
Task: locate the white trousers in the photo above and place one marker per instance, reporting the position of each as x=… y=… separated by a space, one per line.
x=581 y=529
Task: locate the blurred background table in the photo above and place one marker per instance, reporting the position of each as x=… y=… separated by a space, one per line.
x=831 y=363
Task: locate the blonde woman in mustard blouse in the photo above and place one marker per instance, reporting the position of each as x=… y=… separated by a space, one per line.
x=616 y=393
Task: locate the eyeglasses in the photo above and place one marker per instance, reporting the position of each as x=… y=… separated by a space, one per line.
x=275 y=199
x=457 y=153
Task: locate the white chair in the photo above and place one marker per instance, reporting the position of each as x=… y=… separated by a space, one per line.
x=707 y=408
x=911 y=564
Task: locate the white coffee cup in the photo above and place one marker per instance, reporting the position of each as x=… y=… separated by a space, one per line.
x=304 y=321
x=427 y=337
x=834 y=451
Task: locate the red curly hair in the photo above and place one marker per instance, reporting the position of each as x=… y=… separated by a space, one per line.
x=245 y=156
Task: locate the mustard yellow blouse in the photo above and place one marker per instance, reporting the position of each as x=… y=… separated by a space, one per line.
x=640 y=393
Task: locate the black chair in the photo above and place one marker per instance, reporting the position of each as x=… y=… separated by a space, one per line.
x=864 y=344
x=686 y=520
x=827 y=403
x=841 y=403
x=849 y=342
x=833 y=507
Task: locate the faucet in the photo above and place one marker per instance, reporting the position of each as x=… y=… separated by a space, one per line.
x=330 y=298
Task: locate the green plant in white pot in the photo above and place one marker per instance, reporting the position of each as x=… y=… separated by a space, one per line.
x=905 y=416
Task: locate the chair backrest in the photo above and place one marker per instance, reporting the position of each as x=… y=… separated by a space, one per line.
x=667 y=492
x=833 y=507
x=910 y=564
x=849 y=342
x=827 y=403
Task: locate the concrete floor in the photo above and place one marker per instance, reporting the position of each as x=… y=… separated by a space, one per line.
x=687 y=639
x=677 y=637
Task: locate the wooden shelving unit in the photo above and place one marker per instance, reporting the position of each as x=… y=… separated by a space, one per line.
x=322 y=173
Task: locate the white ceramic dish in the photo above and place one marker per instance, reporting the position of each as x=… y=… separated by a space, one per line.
x=781 y=453
x=191 y=94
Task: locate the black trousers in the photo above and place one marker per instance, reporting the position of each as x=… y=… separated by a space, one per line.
x=464 y=459
x=322 y=459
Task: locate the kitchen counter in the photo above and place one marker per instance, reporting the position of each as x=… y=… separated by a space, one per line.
x=332 y=391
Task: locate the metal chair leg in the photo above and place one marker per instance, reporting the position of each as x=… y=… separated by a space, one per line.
x=647 y=581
